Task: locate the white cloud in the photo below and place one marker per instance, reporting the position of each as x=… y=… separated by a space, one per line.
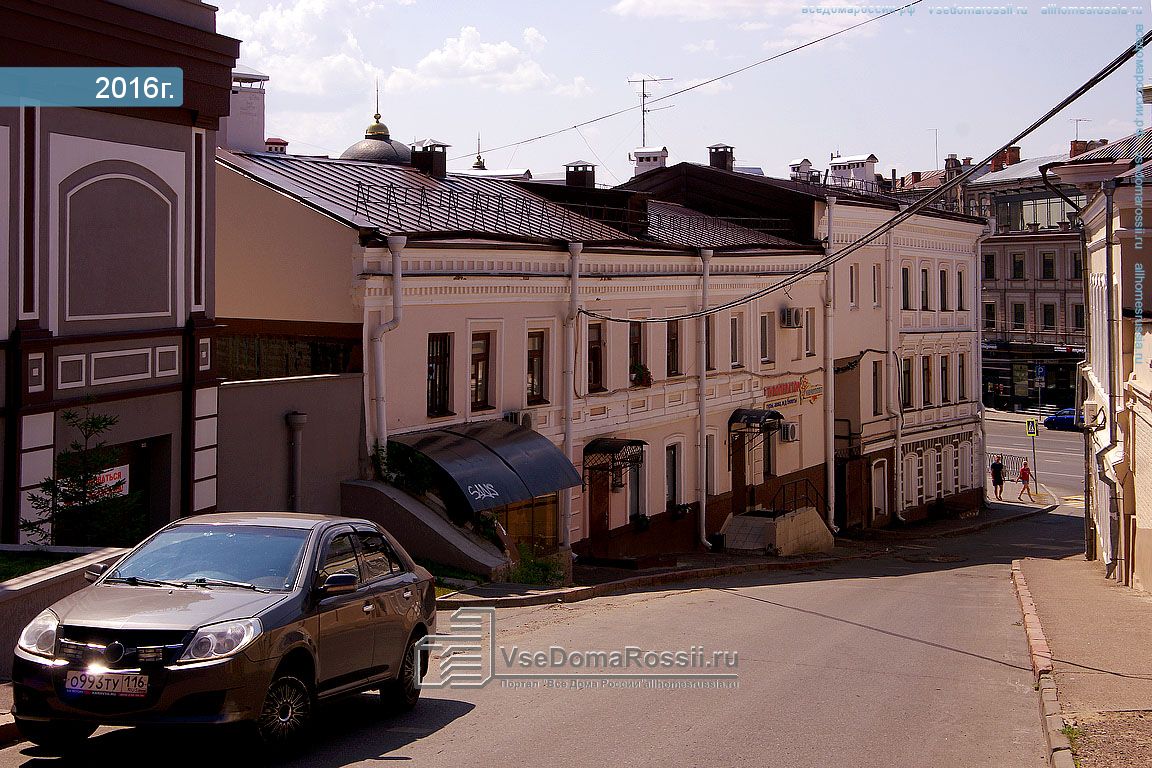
x=468 y=59
x=576 y=89
x=700 y=10
x=814 y=26
x=534 y=40
x=704 y=46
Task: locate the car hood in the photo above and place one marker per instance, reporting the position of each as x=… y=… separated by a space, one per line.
x=121 y=606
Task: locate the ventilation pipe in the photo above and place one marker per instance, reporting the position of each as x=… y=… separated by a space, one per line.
x=396 y=244
x=569 y=376
x=702 y=397
x=829 y=381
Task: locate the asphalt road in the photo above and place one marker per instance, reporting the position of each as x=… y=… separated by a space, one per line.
x=1059 y=463
x=914 y=659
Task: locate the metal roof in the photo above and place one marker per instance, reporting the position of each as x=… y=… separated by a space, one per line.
x=854 y=159
x=402 y=199
x=1025 y=169
x=675 y=224
x=1129 y=148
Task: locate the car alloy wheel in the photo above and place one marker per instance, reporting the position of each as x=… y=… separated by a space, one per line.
x=55 y=736
x=401 y=694
x=287 y=710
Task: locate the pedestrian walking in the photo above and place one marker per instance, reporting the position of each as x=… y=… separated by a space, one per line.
x=1025 y=479
x=998 y=477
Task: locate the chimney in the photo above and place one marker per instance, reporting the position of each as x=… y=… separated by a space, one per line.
x=431 y=157
x=1013 y=155
x=1096 y=144
x=1077 y=147
x=999 y=161
x=580 y=173
x=967 y=162
x=648 y=158
x=243 y=128
x=916 y=176
x=276 y=145
x=721 y=156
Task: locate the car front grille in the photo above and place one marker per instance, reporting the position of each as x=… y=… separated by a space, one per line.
x=120 y=648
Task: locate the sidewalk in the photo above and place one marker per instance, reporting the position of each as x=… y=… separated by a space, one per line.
x=1098 y=635
x=8 y=731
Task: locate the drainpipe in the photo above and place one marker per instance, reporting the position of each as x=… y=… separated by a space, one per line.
x=396 y=245
x=979 y=458
x=892 y=361
x=569 y=379
x=295 y=421
x=830 y=381
x=702 y=393
x=1107 y=474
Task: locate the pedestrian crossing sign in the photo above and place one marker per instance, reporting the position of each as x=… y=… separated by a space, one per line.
x=1030 y=427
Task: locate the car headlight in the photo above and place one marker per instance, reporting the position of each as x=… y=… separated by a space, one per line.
x=39 y=637
x=224 y=639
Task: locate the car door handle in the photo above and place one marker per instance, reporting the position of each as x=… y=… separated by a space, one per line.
x=407 y=593
x=367 y=607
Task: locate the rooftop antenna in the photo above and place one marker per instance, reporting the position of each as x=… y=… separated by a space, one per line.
x=377 y=99
x=1076 y=121
x=936 y=131
x=643 y=81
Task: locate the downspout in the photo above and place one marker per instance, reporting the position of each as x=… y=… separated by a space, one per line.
x=892 y=361
x=396 y=245
x=1106 y=472
x=569 y=384
x=979 y=457
x=829 y=381
x=701 y=397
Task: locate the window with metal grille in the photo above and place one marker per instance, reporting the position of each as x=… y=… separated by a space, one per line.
x=478 y=376
x=439 y=374
x=537 y=346
x=674 y=348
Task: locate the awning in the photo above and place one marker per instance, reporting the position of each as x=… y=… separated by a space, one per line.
x=494 y=463
x=754 y=419
x=610 y=453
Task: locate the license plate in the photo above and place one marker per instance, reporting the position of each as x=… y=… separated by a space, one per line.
x=106 y=684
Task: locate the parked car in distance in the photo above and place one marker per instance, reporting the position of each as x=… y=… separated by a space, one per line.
x=1065 y=419
x=227 y=618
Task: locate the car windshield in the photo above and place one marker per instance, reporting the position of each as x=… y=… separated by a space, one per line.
x=260 y=556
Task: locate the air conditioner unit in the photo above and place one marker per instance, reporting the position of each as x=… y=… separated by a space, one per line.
x=789 y=432
x=791 y=317
x=514 y=417
x=1091 y=415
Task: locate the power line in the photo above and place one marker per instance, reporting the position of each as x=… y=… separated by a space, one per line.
x=701 y=84
x=903 y=215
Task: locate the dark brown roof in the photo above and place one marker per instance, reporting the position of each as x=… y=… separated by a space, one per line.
x=672 y=223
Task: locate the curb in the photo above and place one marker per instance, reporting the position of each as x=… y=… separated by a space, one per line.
x=1059 y=747
x=8 y=732
x=577 y=594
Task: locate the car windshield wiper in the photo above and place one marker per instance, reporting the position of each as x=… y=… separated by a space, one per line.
x=137 y=581
x=202 y=582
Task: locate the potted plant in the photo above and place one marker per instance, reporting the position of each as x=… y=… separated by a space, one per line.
x=640 y=375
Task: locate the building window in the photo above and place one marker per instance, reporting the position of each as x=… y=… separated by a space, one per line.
x=1048 y=316
x=960 y=304
x=906 y=383
x=1078 y=317
x=1077 y=265
x=478 y=379
x=989 y=266
x=439 y=379
x=709 y=464
x=768 y=338
x=905 y=288
x=635 y=350
x=672 y=475
x=924 y=305
x=876 y=285
x=945 y=395
x=635 y=505
x=943 y=290
x=736 y=341
x=989 y=315
x=1017 y=266
x=709 y=362
x=961 y=384
x=877 y=387
x=853 y=284
x=926 y=379
x=673 y=347
x=809 y=332
x=536 y=349
x=1048 y=266
x=1018 y=320
x=595 y=357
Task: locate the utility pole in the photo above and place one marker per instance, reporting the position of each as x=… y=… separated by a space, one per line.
x=643 y=81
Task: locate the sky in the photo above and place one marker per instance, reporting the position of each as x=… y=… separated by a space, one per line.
x=510 y=70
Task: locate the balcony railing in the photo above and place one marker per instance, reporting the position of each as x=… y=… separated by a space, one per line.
x=1031 y=334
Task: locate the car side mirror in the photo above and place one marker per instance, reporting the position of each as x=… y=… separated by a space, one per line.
x=338 y=584
x=95 y=571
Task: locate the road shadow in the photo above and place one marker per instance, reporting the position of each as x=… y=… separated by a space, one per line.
x=345 y=732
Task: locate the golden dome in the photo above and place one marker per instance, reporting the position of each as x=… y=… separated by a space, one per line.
x=377 y=129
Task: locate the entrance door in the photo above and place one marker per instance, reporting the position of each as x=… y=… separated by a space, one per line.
x=879 y=489
x=599 y=497
x=739 y=474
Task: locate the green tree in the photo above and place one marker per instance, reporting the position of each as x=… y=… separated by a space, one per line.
x=77 y=506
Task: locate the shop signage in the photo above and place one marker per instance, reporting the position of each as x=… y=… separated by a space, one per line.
x=787 y=393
